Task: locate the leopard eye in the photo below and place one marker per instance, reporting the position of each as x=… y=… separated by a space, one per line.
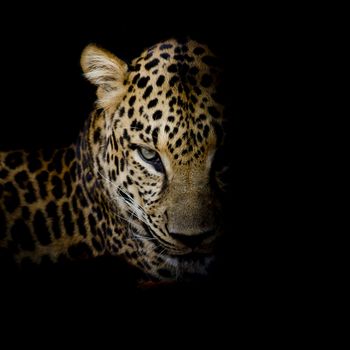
x=152 y=157
x=148 y=154
x=221 y=169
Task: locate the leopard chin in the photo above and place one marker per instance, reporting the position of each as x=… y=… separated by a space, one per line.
x=197 y=264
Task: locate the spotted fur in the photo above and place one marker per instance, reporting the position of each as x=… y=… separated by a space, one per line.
x=139 y=183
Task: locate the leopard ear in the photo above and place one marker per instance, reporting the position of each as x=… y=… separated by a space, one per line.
x=107 y=72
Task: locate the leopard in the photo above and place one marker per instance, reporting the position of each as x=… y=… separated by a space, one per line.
x=140 y=182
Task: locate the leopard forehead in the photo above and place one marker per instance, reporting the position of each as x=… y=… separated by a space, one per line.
x=171 y=100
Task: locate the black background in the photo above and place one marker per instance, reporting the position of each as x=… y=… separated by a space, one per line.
x=45 y=100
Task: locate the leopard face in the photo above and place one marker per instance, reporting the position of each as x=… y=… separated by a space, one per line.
x=154 y=139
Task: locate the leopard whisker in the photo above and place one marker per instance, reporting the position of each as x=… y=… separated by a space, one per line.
x=130 y=201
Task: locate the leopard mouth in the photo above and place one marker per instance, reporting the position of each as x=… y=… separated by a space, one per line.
x=181 y=254
x=182 y=262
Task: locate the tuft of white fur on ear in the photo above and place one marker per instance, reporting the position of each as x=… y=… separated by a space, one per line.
x=107 y=72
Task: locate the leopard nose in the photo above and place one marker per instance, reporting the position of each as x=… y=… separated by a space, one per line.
x=193 y=240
